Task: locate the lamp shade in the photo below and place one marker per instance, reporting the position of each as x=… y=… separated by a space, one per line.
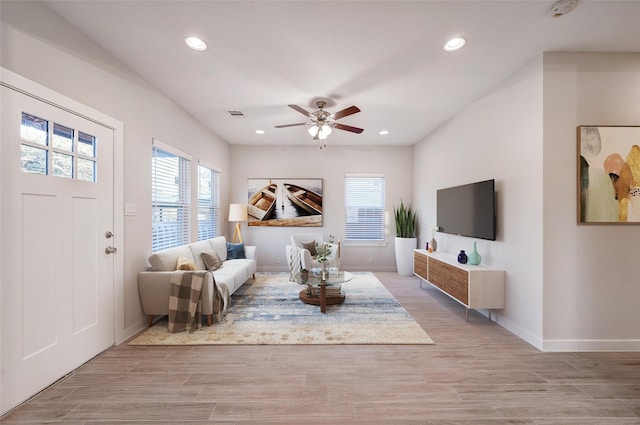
x=324 y=131
x=238 y=212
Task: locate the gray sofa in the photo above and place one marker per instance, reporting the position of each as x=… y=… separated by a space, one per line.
x=154 y=284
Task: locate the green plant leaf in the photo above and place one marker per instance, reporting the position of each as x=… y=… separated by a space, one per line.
x=405 y=219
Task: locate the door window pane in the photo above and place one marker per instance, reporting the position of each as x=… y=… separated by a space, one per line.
x=34 y=160
x=86 y=144
x=62 y=165
x=86 y=170
x=34 y=129
x=62 y=138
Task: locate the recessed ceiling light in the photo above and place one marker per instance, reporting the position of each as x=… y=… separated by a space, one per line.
x=454 y=44
x=195 y=43
x=384 y=132
x=259 y=131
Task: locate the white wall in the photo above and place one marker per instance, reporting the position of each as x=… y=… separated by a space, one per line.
x=591 y=279
x=497 y=137
x=40 y=46
x=330 y=164
x=569 y=287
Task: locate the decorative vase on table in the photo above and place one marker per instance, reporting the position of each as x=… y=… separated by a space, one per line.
x=462 y=257
x=433 y=244
x=473 y=257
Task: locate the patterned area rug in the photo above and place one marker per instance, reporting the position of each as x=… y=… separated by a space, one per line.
x=269 y=311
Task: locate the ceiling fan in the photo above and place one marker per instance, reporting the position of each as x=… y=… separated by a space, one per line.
x=322 y=122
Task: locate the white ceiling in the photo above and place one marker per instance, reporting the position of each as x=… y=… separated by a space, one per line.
x=385 y=57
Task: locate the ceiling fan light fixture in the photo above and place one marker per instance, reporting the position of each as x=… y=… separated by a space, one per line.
x=322 y=122
x=195 y=43
x=454 y=44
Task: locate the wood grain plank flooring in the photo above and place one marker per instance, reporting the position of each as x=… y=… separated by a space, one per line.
x=476 y=373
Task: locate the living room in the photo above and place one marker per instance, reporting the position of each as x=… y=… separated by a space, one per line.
x=566 y=288
x=521 y=130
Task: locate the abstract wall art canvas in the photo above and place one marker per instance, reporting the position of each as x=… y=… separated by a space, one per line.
x=609 y=174
x=285 y=202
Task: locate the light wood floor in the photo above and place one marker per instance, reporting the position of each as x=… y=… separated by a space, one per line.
x=477 y=373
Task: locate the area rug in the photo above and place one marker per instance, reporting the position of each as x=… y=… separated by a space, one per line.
x=268 y=311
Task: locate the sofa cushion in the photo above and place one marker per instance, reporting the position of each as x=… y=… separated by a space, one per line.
x=197 y=248
x=235 y=272
x=235 y=251
x=166 y=260
x=226 y=276
x=219 y=244
x=311 y=247
x=183 y=263
x=211 y=260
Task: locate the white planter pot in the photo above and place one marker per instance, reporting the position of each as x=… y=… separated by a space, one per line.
x=404 y=255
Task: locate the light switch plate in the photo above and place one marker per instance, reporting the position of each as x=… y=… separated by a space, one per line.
x=130 y=209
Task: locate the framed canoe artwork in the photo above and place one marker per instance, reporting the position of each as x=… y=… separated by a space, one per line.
x=285 y=202
x=609 y=174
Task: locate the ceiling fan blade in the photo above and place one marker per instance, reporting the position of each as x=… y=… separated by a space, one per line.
x=290 y=125
x=300 y=109
x=348 y=128
x=345 y=112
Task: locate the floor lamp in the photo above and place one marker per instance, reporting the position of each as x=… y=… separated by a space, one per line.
x=237 y=213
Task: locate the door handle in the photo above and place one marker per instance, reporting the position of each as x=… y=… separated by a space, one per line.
x=110 y=250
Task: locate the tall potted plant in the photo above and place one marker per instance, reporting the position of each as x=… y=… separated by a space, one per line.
x=406 y=240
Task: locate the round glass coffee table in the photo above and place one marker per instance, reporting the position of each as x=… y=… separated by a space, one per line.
x=323 y=292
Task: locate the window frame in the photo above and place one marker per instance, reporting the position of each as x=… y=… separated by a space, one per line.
x=213 y=204
x=182 y=205
x=51 y=149
x=381 y=219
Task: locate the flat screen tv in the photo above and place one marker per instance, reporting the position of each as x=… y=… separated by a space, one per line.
x=468 y=210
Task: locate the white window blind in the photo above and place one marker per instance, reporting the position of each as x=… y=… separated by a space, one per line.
x=364 y=207
x=208 y=202
x=170 y=183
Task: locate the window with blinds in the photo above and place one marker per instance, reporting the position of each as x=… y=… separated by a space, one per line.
x=364 y=208
x=170 y=182
x=208 y=202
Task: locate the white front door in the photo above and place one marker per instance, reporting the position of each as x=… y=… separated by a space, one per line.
x=57 y=302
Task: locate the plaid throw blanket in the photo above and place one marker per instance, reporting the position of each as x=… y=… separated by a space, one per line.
x=221 y=299
x=184 y=301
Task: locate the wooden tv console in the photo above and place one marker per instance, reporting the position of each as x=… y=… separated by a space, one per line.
x=477 y=287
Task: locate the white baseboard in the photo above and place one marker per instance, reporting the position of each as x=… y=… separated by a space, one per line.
x=131 y=331
x=573 y=345
x=521 y=333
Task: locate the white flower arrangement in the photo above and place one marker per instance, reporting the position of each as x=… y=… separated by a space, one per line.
x=434 y=229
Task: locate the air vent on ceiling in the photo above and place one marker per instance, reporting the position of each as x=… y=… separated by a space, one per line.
x=236 y=113
x=562 y=7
